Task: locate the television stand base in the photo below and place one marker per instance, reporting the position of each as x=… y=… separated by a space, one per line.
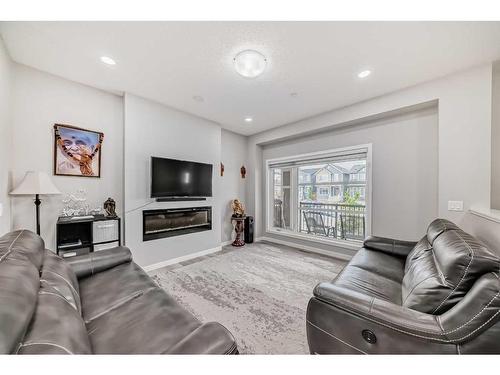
x=180 y=199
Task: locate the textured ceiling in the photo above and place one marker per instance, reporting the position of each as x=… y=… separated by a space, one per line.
x=172 y=62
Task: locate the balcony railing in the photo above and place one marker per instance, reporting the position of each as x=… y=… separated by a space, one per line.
x=330 y=220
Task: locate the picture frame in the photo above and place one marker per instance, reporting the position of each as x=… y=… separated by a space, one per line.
x=77 y=151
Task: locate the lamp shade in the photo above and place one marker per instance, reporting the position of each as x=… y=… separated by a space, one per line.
x=35 y=183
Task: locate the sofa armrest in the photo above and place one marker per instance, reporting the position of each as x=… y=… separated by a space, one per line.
x=389 y=246
x=395 y=317
x=95 y=262
x=209 y=338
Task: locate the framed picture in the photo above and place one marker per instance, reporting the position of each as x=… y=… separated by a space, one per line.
x=77 y=151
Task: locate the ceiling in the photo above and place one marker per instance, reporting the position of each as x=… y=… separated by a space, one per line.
x=172 y=62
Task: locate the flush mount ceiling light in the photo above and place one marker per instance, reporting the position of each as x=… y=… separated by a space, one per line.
x=108 y=60
x=364 y=73
x=248 y=119
x=250 y=63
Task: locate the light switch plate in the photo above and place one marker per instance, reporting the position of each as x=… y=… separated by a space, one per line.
x=455 y=205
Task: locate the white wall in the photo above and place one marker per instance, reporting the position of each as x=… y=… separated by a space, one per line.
x=233 y=155
x=152 y=129
x=39 y=101
x=5 y=136
x=464 y=136
x=404 y=167
x=495 y=138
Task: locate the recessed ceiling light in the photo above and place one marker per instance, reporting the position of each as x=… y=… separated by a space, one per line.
x=364 y=73
x=198 y=98
x=108 y=60
x=248 y=119
x=250 y=63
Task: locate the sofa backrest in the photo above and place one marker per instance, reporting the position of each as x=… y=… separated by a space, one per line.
x=40 y=310
x=443 y=266
x=21 y=255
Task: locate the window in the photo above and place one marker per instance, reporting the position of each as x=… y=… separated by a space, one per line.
x=338 y=177
x=310 y=196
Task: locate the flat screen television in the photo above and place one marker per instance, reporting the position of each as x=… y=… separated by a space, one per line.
x=180 y=178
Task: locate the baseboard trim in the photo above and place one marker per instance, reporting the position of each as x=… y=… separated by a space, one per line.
x=183 y=258
x=332 y=254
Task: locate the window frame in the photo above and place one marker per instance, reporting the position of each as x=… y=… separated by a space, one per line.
x=294 y=190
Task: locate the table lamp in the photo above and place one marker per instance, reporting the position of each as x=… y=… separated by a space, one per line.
x=36 y=183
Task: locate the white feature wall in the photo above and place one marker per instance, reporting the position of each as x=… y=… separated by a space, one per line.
x=464 y=137
x=5 y=137
x=233 y=156
x=404 y=168
x=39 y=100
x=152 y=129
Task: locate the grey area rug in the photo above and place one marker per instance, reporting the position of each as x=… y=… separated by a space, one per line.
x=259 y=292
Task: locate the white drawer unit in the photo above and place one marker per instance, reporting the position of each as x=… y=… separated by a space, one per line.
x=107 y=245
x=105 y=231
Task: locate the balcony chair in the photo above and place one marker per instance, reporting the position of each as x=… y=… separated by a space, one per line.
x=316 y=224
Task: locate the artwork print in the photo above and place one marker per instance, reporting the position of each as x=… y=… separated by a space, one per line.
x=77 y=152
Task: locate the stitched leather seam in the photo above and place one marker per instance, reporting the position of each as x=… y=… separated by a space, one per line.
x=67 y=282
x=444 y=332
x=57 y=295
x=478 y=328
x=475 y=316
x=46 y=343
x=463 y=276
x=121 y=302
x=9 y=250
x=426 y=337
x=336 y=338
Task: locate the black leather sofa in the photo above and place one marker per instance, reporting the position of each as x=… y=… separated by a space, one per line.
x=440 y=295
x=100 y=303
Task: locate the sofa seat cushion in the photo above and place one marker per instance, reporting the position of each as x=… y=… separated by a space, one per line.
x=56 y=327
x=150 y=323
x=108 y=289
x=443 y=267
x=375 y=274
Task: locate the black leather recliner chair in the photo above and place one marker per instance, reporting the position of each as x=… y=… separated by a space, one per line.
x=440 y=295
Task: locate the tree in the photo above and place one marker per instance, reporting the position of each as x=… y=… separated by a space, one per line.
x=351 y=200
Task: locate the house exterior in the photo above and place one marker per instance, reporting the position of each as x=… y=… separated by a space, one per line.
x=330 y=182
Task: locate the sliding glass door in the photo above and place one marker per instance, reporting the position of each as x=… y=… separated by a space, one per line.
x=321 y=196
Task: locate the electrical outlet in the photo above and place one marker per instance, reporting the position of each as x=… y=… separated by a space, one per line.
x=455 y=205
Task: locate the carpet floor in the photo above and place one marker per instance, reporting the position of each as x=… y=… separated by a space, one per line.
x=259 y=292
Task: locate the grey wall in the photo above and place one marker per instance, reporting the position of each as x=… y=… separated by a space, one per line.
x=233 y=155
x=39 y=100
x=495 y=138
x=404 y=168
x=5 y=137
x=152 y=129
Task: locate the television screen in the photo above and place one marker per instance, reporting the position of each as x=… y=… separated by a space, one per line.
x=180 y=178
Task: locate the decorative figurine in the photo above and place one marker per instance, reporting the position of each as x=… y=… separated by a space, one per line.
x=238 y=208
x=243 y=171
x=109 y=207
x=221 y=169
